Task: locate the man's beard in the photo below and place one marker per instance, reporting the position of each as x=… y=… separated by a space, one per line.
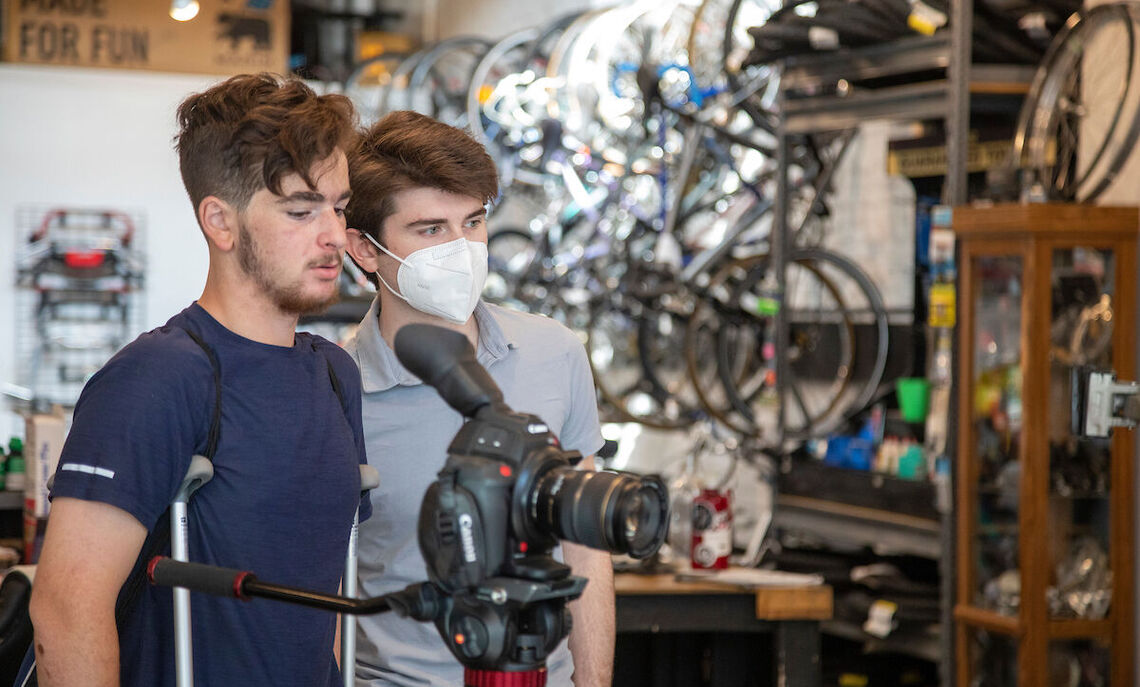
x=288 y=298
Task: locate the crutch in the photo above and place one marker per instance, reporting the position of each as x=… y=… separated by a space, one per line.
x=201 y=471
x=369 y=479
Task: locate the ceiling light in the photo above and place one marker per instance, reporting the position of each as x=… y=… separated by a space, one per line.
x=184 y=10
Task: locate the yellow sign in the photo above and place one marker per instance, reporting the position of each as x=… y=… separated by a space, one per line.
x=943 y=305
x=931 y=162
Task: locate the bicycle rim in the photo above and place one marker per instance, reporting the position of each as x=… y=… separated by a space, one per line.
x=368 y=84
x=1082 y=115
x=819 y=323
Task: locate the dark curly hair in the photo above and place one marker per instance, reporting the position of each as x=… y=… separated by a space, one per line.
x=253 y=130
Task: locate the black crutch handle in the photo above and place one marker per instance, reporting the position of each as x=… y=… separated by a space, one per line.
x=197 y=577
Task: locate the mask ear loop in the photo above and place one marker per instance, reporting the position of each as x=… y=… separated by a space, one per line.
x=374 y=242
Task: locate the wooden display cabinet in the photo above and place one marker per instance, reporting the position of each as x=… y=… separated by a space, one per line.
x=1044 y=518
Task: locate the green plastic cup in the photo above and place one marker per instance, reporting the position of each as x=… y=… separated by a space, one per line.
x=914 y=398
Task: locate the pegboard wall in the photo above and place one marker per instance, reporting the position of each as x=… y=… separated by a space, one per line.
x=80 y=275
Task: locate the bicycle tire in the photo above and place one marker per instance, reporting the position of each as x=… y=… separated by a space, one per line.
x=505 y=140
x=618 y=338
x=734 y=414
x=511 y=255
x=367 y=96
x=1043 y=116
x=803 y=336
x=447 y=97
x=396 y=96
x=740 y=333
x=484 y=69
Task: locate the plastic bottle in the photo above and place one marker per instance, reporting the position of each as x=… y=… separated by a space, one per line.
x=15 y=480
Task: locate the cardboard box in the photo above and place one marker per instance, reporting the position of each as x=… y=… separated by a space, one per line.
x=227 y=36
x=45 y=433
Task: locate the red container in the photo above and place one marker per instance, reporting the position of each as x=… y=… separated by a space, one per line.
x=712 y=529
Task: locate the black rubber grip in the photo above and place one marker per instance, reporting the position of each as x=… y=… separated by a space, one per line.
x=197 y=577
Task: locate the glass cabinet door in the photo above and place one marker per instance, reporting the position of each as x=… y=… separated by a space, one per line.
x=996 y=415
x=1080 y=333
x=1079 y=663
x=993 y=659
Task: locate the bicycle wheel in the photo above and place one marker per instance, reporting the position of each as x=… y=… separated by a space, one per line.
x=368 y=83
x=735 y=373
x=836 y=350
x=718 y=46
x=1081 y=118
x=439 y=81
x=504 y=107
x=558 y=61
x=397 y=96
x=818 y=372
x=600 y=101
x=636 y=354
x=504 y=58
x=511 y=254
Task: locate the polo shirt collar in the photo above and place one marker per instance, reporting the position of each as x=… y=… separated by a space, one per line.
x=381 y=370
x=494 y=341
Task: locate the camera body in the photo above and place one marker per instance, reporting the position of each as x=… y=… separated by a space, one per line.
x=504 y=592
x=505 y=497
x=492 y=466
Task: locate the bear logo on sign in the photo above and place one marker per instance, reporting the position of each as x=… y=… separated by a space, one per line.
x=237 y=27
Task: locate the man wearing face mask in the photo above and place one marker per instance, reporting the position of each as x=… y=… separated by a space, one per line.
x=418 y=223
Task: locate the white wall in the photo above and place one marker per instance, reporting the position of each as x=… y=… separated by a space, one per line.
x=433 y=20
x=498 y=18
x=97 y=138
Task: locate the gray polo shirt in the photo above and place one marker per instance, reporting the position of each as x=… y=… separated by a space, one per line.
x=541 y=367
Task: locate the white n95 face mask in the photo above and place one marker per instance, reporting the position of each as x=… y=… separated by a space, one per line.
x=444 y=280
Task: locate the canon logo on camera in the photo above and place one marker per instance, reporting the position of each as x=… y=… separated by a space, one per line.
x=467 y=538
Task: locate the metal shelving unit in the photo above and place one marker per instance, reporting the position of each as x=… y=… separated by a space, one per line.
x=952 y=88
x=988 y=86
x=11 y=500
x=848 y=524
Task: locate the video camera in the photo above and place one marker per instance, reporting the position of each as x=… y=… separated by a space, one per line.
x=504 y=498
x=487 y=527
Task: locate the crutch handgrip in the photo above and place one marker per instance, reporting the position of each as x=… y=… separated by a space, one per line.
x=201 y=471
x=197 y=577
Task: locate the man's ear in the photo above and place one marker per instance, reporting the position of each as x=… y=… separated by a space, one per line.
x=362 y=251
x=219 y=221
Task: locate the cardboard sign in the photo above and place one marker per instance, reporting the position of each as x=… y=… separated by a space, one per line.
x=227 y=36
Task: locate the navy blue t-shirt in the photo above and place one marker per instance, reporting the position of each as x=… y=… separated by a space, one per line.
x=286 y=485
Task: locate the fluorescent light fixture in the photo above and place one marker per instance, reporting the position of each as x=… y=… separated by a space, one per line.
x=184 y=10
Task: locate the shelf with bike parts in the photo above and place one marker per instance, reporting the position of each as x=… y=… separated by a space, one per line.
x=904 y=79
x=1044 y=514
x=947 y=77
x=825 y=94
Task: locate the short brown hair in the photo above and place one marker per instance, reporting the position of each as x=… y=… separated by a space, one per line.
x=409 y=150
x=253 y=130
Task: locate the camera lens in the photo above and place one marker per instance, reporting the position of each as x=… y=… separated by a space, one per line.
x=616 y=512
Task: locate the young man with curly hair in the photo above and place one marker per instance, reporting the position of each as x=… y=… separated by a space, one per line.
x=264 y=162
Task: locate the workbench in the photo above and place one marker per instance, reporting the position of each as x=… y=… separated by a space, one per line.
x=660 y=603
